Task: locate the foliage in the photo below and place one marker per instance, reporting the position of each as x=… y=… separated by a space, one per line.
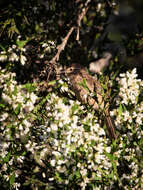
x=48 y=139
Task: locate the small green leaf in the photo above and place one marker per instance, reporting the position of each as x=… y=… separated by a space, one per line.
x=2 y=106
x=52 y=82
x=58 y=177
x=7 y=157
x=77 y=174
x=21 y=43
x=110 y=156
x=17 y=110
x=12 y=179
x=2 y=47
x=111 y=175
x=120 y=110
x=74 y=107
x=84 y=84
x=97 y=178
x=53 y=5
x=30 y=87
x=15 y=90
x=85 y=19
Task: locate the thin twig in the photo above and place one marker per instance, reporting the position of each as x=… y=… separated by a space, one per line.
x=80 y=17
x=60 y=48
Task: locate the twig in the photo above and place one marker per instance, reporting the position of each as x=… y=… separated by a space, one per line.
x=80 y=17
x=61 y=47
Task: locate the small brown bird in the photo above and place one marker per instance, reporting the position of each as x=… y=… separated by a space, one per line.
x=84 y=85
x=78 y=76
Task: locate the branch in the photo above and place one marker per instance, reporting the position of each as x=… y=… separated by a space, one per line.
x=80 y=17
x=61 y=47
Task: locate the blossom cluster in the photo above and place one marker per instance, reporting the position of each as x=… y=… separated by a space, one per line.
x=128 y=117
x=48 y=47
x=70 y=138
x=13 y=54
x=129 y=87
x=79 y=143
x=17 y=103
x=66 y=145
x=17 y=52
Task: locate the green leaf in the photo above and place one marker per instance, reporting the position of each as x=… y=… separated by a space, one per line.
x=77 y=174
x=2 y=47
x=15 y=90
x=111 y=175
x=97 y=178
x=30 y=87
x=75 y=107
x=2 y=106
x=120 y=110
x=52 y=82
x=53 y=5
x=110 y=156
x=85 y=19
x=21 y=43
x=7 y=157
x=83 y=83
x=58 y=177
x=17 y=110
x=12 y=179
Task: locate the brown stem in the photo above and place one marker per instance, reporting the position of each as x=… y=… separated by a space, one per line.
x=80 y=17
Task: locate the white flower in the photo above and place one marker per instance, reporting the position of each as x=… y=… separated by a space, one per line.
x=3 y=116
x=54 y=127
x=64 y=89
x=3 y=57
x=60 y=162
x=56 y=153
x=4 y=167
x=51 y=42
x=6 y=98
x=61 y=81
x=6 y=177
x=98 y=158
x=51 y=179
x=16 y=185
x=33 y=97
x=30 y=105
x=108 y=149
x=13 y=57
x=101 y=132
x=127 y=116
x=20 y=159
x=85 y=96
x=14 y=46
x=139 y=119
x=83 y=172
x=26 y=123
x=44 y=45
x=23 y=59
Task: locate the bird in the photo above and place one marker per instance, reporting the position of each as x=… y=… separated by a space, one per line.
x=83 y=84
x=100 y=64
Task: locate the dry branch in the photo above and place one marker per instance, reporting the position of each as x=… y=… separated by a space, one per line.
x=61 y=47
x=80 y=17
